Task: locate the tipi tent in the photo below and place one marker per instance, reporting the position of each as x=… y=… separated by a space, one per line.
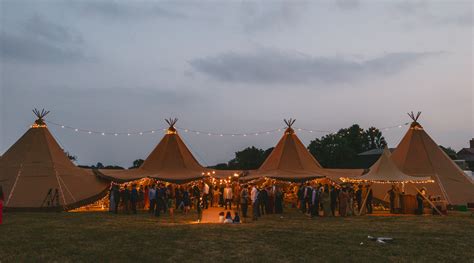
x=418 y=155
x=36 y=174
x=386 y=171
x=170 y=161
x=291 y=161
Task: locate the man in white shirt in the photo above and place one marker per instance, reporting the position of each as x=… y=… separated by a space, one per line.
x=255 y=205
x=205 y=195
x=228 y=196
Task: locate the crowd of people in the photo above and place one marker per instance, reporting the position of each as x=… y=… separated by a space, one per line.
x=331 y=200
x=313 y=199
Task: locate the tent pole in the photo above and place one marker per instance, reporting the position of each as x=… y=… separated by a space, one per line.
x=365 y=200
x=429 y=201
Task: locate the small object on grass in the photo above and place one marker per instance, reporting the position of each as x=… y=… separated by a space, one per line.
x=361 y=243
x=380 y=240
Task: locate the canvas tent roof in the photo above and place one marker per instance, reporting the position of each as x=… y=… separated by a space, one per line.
x=418 y=155
x=386 y=171
x=170 y=161
x=291 y=161
x=35 y=164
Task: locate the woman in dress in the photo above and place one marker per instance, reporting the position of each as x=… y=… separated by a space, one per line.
x=326 y=201
x=343 y=202
x=278 y=201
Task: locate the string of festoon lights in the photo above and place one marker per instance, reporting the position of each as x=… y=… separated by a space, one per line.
x=205 y=133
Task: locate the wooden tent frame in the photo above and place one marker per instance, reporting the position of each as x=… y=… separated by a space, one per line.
x=40 y=115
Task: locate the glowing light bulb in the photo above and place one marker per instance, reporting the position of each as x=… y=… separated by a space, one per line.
x=76 y=130
x=103 y=133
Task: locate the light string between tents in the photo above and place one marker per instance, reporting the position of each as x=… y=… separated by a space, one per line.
x=206 y=133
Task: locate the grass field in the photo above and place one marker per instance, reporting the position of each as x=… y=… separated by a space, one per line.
x=100 y=236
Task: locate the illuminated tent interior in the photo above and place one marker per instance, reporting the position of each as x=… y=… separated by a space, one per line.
x=385 y=171
x=418 y=155
x=36 y=174
x=291 y=161
x=170 y=161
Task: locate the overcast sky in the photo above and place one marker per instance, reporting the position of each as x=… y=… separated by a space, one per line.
x=233 y=67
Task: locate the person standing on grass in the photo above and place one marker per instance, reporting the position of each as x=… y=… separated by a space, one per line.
x=343 y=201
x=263 y=200
x=300 y=196
x=419 y=201
x=134 y=198
x=2 y=198
x=186 y=201
x=199 y=207
x=171 y=206
x=255 y=205
x=392 y=194
x=278 y=200
x=152 y=198
x=160 y=200
x=236 y=193
x=205 y=195
x=326 y=200
x=146 y=197
x=116 y=194
x=315 y=202
x=111 y=199
x=333 y=196
x=358 y=194
x=141 y=197
x=368 y=204
x=228 y=197
x=125 y=196
x=244 y=200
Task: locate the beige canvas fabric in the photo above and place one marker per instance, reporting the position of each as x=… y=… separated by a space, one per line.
x=418 y=155
x=170 y=161
x=291 y=161
x=35 y=164
x=386 y=171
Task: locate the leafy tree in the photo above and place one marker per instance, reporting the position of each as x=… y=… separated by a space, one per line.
x=450 y=152
x=336 y=150
x=248 y=159
x=137 y=163
x=99 y=165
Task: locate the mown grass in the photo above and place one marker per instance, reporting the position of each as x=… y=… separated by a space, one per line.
x=100 y=236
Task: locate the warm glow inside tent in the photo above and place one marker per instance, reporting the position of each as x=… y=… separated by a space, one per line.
x=36 y=174
x=418 y=155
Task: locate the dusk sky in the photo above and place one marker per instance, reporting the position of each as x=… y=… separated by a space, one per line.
x=232 y=67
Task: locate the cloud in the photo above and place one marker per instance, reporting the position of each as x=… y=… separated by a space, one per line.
x=38 y=40
x=424 y=12
x=129 y=10
x=27 y=49
x=261 y=15
x=274 y=66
